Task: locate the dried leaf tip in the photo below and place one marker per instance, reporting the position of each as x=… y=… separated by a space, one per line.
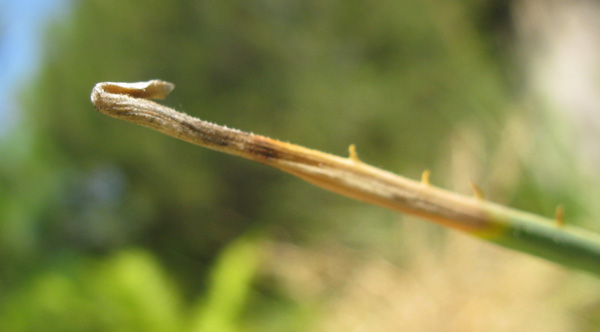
x=153 y=89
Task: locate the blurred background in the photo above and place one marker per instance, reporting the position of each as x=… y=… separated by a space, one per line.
x=108 y=226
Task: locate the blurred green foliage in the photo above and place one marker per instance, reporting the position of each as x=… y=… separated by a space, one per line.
x=106 y=226
x=128 y=291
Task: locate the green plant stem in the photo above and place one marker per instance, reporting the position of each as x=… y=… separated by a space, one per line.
x=546 y=238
